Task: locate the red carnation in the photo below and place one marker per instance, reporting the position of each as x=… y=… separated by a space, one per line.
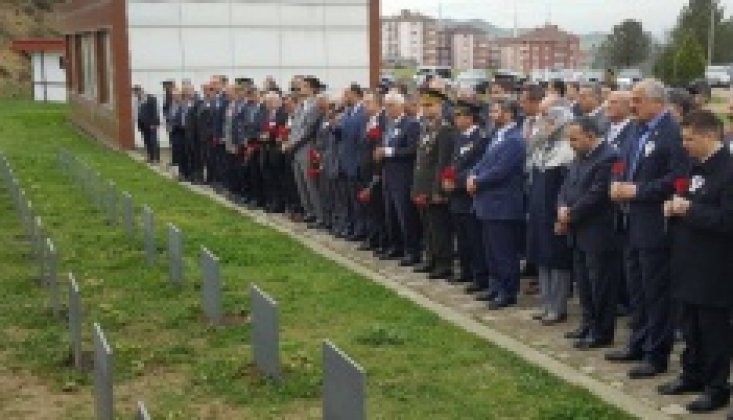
x=313 y=173
x=375 y=133
x=681 y=185
x=448 y=174
x=364 y=196
x=314 y=156
x=618 y=168
x=283 y=132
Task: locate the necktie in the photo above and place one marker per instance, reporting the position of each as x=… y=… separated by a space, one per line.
x=641 y=141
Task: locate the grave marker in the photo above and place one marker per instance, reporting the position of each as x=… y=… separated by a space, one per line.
x=75 y=319
x=344 y=386
x=211 y=287
x=149 y=234
x=265 y=333
x=128 y=215
x=175 y=255
x=103 y=388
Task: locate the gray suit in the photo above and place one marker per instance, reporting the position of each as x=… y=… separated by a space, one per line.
x=302 y=134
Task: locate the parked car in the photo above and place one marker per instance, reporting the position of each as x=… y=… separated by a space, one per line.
x=718 y=76
x=628 y=77
x=470 y=79
x=426 y=72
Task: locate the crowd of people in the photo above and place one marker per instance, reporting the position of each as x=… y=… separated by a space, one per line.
x=624 y=198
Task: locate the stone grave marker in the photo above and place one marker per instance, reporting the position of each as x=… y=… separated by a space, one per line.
x=344 y=386
x=103 y=381
x=265 y=333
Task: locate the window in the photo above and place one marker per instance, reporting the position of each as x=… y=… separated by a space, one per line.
x=104 y=67
x=88 y=73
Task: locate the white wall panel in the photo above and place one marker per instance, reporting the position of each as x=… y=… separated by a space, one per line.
x=302 y=15
x=155 y=48
x=54 y=72
x=209 y=13
x=303 y=48
x=207 y=47
x=256 y=13
x=153 y=13
x=347 y=15
x=346 y=48
x=256 y=47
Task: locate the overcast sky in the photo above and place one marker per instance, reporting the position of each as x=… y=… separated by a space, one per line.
x=580 y=16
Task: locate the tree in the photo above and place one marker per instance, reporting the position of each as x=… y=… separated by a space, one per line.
x=627 y=45
x=689 y=60
x=664 y=66
x=695 y=19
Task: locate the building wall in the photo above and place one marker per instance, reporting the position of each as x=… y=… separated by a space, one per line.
x=49 y=76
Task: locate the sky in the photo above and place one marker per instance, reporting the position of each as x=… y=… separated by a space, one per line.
x=578 y=16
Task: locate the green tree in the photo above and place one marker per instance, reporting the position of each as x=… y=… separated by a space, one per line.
x=627 y=45
x=695 y=19
x=689 y=60
x=664 y=65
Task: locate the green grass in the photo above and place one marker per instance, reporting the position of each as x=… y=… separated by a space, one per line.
x=418 y=366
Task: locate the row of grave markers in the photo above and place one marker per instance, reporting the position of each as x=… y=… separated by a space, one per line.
x=344 y=383
x=46 y=256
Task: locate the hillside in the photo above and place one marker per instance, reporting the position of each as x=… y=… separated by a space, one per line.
x=21 y=19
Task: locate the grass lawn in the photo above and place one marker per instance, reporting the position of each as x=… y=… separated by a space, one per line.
x=418 y=366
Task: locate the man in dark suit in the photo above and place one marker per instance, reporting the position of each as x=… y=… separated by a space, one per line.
x=652 y=162
x=148 y=121
x=370 y=176
x=469 y=147
x=701 y=231
x=190 y=158
x=353 y=131
x=397 y=156
x=275 y=119
x=234 y=139
x=176 y=129
x=205 y=135
x=215 y=155
x=434 y=155
x=586 y=213
x=497 y=184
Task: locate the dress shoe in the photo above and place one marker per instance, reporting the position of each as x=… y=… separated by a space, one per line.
x=709 y=401
x=365 y=246
x=409 y=260
x=553 y=319
x=474 y=288
x=464 y=279
x=440 y=275
x=589 y=343
x=538 y=316
x=625 y=355
x=577 y=333
x=355 y=238
x=501 y=303
x=646 y=370
x=679 y=386
x=423 y=268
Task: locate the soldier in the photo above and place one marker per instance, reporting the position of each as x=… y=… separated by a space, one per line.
x=434 y=154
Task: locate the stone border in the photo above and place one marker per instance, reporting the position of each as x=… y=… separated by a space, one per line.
x=605 y=392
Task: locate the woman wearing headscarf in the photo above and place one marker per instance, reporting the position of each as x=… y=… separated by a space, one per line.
x=549 y=252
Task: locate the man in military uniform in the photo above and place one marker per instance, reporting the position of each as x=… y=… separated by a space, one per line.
x=434 y=155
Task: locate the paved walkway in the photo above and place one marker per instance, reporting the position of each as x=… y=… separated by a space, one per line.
x=511 y=329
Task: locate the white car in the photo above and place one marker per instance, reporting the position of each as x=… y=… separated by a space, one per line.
x=718 y=76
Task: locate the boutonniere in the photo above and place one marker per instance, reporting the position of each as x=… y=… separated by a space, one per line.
x=649 y=148
x=696 y=183
x=426 y=139
x=465 y=149
x=396 y=132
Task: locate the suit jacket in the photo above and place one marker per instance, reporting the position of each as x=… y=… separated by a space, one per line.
x=190 y=120
x=326 y=145
x=353 y=132
x=218 y=113
x=397 y=170
x=585 y=192
x=626 y=136
x=467 y=151
x=434 y=154
x=500 y=178
x=205 y=121
x=370 y=171
x=239 y=123
x=305 y=125
x=701 y=240
x=148 y=114
x=658 y=165
x=602 y=121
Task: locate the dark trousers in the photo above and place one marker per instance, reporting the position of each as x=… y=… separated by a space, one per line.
x=471 y=248
x=438 y=236
x=503 y=248
x=375 y=220
x=292 y=199
x=648 y=281
x=398 y=203
x=150 y=140
x=597 y=277
x=255 y=190
x=272 y=164
x=707 y=333
x=177 y=139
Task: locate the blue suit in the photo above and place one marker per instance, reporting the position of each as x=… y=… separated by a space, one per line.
x=499 y=205
x=402 y=137
x=467 y=151
x=350 y=144
x=654 y=159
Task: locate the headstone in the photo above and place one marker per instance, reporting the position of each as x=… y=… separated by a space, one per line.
x=175 y=255
x=265 y=333
x=149 y=234
x=211 y=287
x=75 y=319
x=111 y=195
x=51 y=277
x=344 y=386
x=142 y=412
x=37 y=242
x=128 y=215
x=103 y=364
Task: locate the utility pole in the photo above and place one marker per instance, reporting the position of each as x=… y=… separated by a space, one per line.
x=711 y=36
